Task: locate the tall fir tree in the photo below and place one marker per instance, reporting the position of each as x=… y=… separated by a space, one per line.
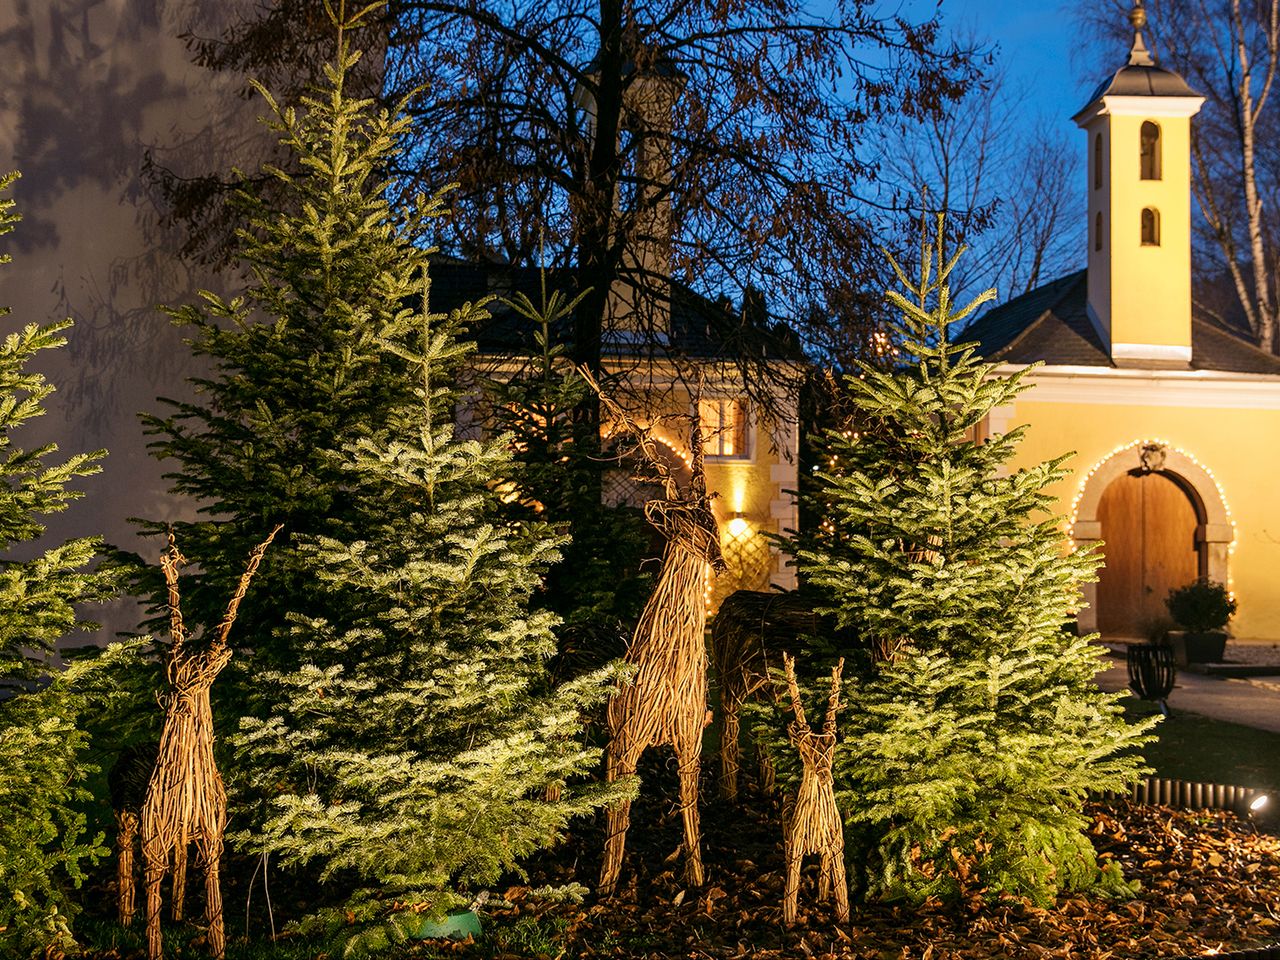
x=403 y=731
x=418 y=736
x=299 y=371
x=43 y=842
x=968 y=753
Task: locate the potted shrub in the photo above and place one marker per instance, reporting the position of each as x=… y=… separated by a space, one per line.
x=1201 y=609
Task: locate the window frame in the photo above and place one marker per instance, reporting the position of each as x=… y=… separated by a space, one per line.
x=1155 y=227
x=1150 y=166
x=748 y=432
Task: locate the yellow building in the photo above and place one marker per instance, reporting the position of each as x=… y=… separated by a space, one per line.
x=1174 y=418
x=750 y=461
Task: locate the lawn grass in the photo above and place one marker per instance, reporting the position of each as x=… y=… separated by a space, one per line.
x=1197 y=748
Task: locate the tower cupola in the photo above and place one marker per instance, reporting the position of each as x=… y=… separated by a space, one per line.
x=1138 y=123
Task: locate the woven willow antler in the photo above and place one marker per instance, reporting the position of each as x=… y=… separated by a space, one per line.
x=185 y=800
x=811 y=820
x=666 y=699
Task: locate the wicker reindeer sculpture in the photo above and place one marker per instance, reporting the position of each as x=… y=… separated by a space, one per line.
x=666 y=699
x=748 y=635
x=811 y=819
x=185 y=800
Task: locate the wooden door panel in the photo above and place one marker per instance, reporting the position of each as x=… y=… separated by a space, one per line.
x=1149 y=548
x=1169 y=525
x=1120 y=583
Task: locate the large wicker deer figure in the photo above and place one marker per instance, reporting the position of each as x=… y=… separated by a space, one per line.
x=811 y=819
x=185 y=800
x=665 y=701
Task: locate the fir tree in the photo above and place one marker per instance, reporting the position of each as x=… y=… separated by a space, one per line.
x=298 y=370
x=43 y=845
x=418 y=736
x=968 y=753
x=403 y=732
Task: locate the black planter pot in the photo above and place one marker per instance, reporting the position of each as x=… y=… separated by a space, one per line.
x=1191 y=647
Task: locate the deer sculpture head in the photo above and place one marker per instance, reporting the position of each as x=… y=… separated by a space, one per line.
x=683 y=516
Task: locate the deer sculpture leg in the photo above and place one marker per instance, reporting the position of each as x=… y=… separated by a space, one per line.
x=209 y=849
x=688 y=749
x=153 y=872
x=792 y=896
x=623 y=755
x=824 y=878
x=179 y=879
x=126 y=888
x=840 y=884
x=730 y=750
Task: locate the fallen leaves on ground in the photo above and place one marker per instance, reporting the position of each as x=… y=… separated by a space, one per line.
x=1209 y=882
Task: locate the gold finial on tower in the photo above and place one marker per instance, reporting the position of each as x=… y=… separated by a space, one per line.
x=1139 y=55
x=1138 y=16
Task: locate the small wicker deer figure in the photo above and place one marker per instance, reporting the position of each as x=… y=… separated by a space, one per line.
x=748 y=634
x=811 y=820
x=127 y=782
x=666 y=700
x=185 y=799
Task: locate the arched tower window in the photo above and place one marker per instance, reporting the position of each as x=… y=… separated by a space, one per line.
x=1151 y=227
x=1097 y=231
x=1150 y=150
x=1097 y=161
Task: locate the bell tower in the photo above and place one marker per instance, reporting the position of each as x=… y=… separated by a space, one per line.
x=1138 y=124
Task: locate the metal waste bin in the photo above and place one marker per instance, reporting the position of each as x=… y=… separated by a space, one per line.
x=1151 y=672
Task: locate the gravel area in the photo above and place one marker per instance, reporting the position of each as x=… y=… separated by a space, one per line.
x=1254 y=654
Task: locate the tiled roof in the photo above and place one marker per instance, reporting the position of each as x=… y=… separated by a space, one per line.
x=1051 y=325
x=1141 y=81
x=1214 y=347
x=700 y=328
x=1047 y=324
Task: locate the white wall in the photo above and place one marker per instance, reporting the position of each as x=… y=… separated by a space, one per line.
x=90 y=87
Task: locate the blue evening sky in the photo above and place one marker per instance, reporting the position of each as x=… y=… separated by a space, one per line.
x=1039 y=44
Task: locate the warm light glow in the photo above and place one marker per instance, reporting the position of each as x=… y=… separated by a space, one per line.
x=737 y=527
x=1260 y=801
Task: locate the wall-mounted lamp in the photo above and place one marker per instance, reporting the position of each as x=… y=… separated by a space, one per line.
x=738 y=524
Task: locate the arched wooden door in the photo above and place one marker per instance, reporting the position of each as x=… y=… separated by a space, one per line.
x=1149 y=524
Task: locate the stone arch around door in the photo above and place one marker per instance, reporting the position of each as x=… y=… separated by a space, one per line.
x=1214 y=530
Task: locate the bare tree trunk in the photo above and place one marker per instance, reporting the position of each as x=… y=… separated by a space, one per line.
x=1248 y=111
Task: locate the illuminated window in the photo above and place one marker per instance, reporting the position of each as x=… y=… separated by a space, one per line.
x=1150 y=150
x=1151 y=227
x=1097 y=231
x=1097 y=161
x=724 y=427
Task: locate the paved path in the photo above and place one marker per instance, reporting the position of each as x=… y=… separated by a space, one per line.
x=1253 y=702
